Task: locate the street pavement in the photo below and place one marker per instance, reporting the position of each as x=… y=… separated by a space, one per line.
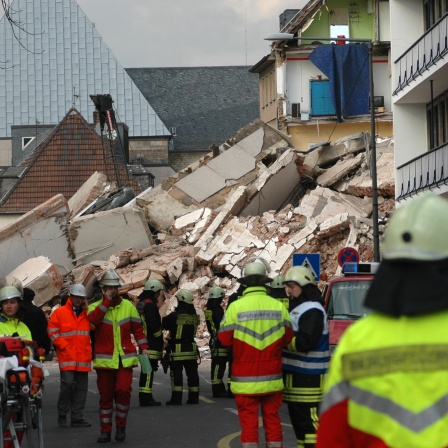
x=212 y=423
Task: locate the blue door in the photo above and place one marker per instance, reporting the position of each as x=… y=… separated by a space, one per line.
x=321 y=103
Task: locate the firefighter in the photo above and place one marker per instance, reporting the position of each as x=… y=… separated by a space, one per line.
x=276 y=289
x=115 y=321
x=182 y=324
x=388 y=379
x=150 y=301
x=305 y=360
x=220 y=355
x=69 y=330
x=257 y=328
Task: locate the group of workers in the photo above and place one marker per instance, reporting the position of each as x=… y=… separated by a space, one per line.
x=385 y=385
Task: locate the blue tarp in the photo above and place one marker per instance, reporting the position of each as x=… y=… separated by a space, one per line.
x=347 y=68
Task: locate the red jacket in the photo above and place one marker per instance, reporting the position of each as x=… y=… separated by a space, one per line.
x=111 y=347
x=70 y=336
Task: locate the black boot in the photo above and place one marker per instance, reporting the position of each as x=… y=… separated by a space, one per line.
x=104 y=437
x=147 y=400
x=219 y=390
x=176 y=399
x=120 y=435
x=193 y=398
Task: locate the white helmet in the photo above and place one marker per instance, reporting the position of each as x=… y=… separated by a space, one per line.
x=418 y=230
x=78 y=290
x=185 y=296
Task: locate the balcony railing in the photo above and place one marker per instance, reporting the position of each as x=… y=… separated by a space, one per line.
x=424 y=53
x=424 y=172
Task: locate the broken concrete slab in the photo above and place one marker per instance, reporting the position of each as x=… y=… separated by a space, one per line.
x=41 y=231
x=233 y=207
x=234 y=163
x=105 y=233
x=40 y=275
x=200 y=184
x=273 y=186
x=361 y=185
x=92 y=188
x=162 y=208
x=323 y=203
x=340 y=170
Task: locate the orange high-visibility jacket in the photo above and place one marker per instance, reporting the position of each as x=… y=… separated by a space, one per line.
x=70 y=336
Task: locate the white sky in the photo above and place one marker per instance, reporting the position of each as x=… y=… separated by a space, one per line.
x=184 y=33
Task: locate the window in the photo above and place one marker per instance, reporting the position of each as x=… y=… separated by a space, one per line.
x=26 y=141
x=434 y=10
x=437 y=117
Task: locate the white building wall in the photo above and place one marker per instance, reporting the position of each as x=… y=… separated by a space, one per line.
x=299 y=73
x=406 y=26
x=409 y=132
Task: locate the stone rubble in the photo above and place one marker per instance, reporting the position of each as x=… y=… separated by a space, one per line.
x=322 y=204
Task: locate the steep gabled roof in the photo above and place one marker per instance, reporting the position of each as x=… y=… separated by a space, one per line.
x=206 y=105
x=60 y=164
x=59 y=62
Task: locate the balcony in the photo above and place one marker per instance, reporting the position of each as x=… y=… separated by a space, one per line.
x=424 y=53
x=428 y=171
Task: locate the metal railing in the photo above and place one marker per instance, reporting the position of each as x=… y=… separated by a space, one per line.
x=424 y=53
x=424 y=172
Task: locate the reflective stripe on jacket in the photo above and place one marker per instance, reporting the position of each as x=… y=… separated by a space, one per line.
x=257 y=327
x=388 y=384
x=11 y=325
x=114 y=326
x=70 y=336
x=314 y=362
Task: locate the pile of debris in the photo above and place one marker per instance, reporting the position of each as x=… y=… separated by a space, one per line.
x=259 y=197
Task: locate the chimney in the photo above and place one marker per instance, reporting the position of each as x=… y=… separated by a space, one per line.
x=96 y=118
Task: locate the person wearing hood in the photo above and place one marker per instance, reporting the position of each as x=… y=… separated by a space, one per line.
x=11 y=314
x=182 y=325
x=149 y=303
x=214 y=313
x=69 y=330
x=34 y=318
x=388 y=380
x=306 y=359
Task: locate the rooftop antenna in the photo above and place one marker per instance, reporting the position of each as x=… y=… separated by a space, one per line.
x=75 y=97
x=245 y=33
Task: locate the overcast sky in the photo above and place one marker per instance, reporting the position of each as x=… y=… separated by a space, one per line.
x=183 y=33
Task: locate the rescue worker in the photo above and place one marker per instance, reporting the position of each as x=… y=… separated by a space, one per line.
x=69 y=330
x=11 y=314
x=306 y=359
x=276 y=289
x=150 y=301
x=214 y=313
x=235 y=296
x=257 y=328
x=388 y=380
x=115 y=321
x=182 y=324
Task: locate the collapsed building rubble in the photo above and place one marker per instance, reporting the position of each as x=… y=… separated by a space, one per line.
x=258 y=197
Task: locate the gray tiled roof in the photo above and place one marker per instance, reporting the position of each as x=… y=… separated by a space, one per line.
x=206 y=105
x=59 y=61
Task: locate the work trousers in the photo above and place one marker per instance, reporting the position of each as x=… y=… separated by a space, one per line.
x=177 y=380
x=146 y=379
x=114 y=385
x=248 y=415
x=73 y=393
x=303 y=394
x=218 y=368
